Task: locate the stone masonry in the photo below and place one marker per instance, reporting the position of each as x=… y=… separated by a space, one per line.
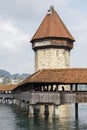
x=52 y=58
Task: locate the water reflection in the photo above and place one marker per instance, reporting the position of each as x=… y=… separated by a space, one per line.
x=11 y=119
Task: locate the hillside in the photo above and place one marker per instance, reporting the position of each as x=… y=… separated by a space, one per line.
x=8 y=78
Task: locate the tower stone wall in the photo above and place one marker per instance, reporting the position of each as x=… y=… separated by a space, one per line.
x=53 y=58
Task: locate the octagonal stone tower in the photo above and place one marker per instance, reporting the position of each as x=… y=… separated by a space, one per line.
x=52 y=43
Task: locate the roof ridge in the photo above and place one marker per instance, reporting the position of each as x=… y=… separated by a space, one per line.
x=35 y=74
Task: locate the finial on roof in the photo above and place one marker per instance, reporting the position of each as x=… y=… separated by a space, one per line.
x=50 y=10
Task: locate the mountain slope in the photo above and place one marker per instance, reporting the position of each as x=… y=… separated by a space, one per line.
x=4 y=73
x=7 y=78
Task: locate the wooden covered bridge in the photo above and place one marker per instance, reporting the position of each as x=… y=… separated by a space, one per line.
x=56 y=82
x=50 y=86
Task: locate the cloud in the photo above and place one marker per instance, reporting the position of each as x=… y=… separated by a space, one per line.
x=28 y=9
x=79 y=29
x=11 y=38
x=14 y=48
x=19 y=20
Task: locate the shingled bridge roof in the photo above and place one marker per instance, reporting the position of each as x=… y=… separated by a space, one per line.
x=61 y=76
x=8 y=87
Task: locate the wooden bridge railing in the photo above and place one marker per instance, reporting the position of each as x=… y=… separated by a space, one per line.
x=52 y=97
x=49 y=97
x=6 y=95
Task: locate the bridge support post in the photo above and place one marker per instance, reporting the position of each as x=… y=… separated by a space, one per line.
x=76 y=110
x=56 y=111
x=19 y=105
x=46 y=110
x=76 y=104
x=0 y=100
x=36 y=110
x=31 y=111
x=23 y=106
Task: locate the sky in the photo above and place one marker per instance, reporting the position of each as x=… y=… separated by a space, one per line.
x=19 y=20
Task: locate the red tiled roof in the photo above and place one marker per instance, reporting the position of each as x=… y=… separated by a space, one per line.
x=65 y=76
x=8 y=87
x=52 y=27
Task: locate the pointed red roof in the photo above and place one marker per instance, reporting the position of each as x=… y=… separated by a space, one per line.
x=52 y=27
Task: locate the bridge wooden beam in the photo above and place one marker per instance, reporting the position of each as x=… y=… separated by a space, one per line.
x=76 y=110
x=76 y=104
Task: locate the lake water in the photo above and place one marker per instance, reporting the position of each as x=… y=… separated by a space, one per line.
x=11 y=119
